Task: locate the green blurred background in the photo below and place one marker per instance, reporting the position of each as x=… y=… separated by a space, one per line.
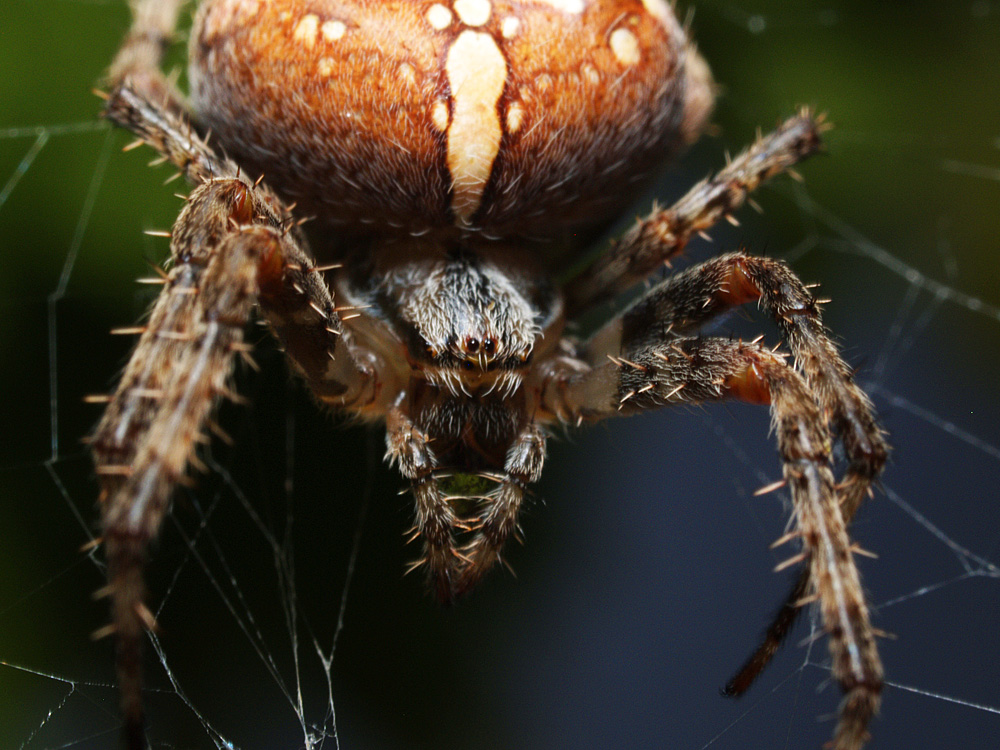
x=646 y=574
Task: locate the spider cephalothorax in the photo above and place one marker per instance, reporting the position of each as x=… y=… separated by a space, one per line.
x=457 y=156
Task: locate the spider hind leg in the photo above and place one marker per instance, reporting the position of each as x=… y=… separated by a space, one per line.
x=685 y=302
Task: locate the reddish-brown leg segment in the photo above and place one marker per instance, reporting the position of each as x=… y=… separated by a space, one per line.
x=685 y=302
x=696 y=370
x=145 y=439
x=226 y=243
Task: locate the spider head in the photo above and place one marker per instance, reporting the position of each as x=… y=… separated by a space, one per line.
x=469 y=324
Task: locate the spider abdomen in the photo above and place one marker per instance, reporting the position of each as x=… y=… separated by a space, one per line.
x=514 y=119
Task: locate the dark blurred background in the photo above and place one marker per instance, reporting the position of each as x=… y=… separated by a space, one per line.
x=646 y=575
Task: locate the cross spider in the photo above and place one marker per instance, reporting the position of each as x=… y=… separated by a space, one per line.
x=457 y=162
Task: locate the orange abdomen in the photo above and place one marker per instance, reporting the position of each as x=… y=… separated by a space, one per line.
x=512 y=119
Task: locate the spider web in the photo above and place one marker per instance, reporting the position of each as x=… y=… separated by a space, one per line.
x=646 y=576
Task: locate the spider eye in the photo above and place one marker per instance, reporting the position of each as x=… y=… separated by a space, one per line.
x=467 y=365
x=489 y=345
x=472 y=344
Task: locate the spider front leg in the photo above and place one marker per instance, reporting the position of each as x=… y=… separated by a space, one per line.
x=683 y=303
x=226 y=254
x=687 y=300
x=651 y=375
x=144 y=441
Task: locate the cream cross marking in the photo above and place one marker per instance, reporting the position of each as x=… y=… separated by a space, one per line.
x=476 y=71
x=476 y=68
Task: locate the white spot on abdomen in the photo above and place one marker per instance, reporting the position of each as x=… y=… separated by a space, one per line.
x=333 y=30
x=476 y=73
x=473 y=12
x=439 y=16
x=407 y=74
x=625 y=46
x=515 y=116
x=306 y=29
x=439 y=115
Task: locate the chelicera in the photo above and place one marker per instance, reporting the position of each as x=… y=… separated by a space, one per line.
x=458 y=156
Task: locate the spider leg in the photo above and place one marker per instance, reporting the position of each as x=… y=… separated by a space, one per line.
x=689 y=370
x=775 y=634
x=293 y=294
x=849 y=411
x=409 y=449
x=498 y=518
x=144 y=101
x=665 y=232
x=234 y=244
x=169 y=133
x=686 y=301
x=227 y=254
x=145 y=438
x=139 y=57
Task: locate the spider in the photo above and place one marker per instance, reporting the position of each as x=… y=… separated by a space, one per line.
x=459 y=156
